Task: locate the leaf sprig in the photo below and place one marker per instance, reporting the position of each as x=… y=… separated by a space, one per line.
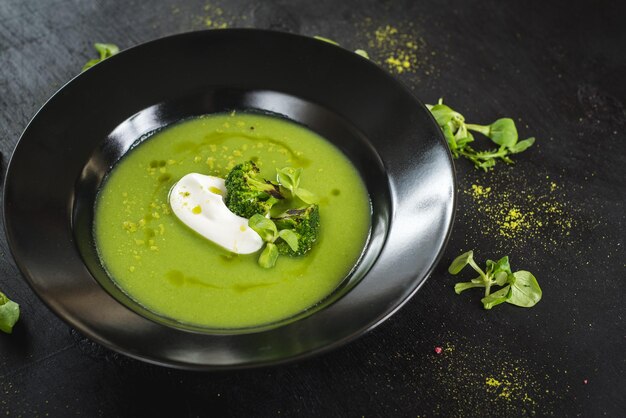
x=289 y=178
x=105 y=51
x=360 y=52
x=266 y=228
x=520 y=288
x=502 y=133
x=9 y=313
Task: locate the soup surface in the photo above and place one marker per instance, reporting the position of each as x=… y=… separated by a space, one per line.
x=176 y=273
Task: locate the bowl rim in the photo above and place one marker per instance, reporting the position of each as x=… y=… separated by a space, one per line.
x=371 y=324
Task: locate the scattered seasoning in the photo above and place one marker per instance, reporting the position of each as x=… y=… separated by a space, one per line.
x=479 y=191
x=516 y=215
x=402 y=56
x=585 y=381
x=482 y=379
x=514 y=221
x=212 y=16
x=398 y=48
x=438 y=350
x=215 y=17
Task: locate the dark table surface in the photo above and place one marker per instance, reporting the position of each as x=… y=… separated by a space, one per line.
x=558 y=68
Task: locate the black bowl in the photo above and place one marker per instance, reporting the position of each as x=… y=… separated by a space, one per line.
x=68 y=147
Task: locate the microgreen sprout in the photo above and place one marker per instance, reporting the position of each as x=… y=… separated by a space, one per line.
x=9 y=313
x=520 y=288
x=360 y=52
x=502 y=133
x=105 y=51
x=323 y=39
x=268 y=232
x=289 y=178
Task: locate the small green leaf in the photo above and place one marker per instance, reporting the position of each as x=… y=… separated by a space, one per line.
x=91 y=63
x=105 y=51
x=461 y=132
x=483 y=129
x=290 y=238
x=502 y=265
x=460 y=262
x=443 y=114
x=520 y=288
x=462 y=142
x=289 y=177
x=497 y=298
x=502 y=271
x=522 y=145
x=486 y=165
x=525 y=290
x=447 y=133
x=459 y=287
x=506 y=159
x=362 y=53
x=264 y=227
x=9 y=313
x=306 y=196
x=501 y=278
x=503 y=132
x=268 y=257
x=321 y=38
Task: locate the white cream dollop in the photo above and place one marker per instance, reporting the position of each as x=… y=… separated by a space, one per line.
x=197 y=200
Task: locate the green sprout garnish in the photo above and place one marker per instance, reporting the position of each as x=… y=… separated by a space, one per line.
x=289 y=178
x=268 y=232
x=360 y=52
x=295 y=224
x=321 y=38
x=520 y=288
x=9 y=313
x=457 y=133
x=105 y=51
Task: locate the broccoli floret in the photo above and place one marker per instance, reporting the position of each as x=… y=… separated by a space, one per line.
x=305 y=223
x=247 y=195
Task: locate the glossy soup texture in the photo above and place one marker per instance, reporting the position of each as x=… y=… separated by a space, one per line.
x=174 y=272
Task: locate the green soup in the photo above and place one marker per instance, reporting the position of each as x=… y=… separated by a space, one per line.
x=174 y=272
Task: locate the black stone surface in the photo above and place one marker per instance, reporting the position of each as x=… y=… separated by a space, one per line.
x=558 y=68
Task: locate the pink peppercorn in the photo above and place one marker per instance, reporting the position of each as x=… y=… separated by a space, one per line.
x=438 y=350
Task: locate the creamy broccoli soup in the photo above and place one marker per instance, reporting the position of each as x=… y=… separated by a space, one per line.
x=165 y=266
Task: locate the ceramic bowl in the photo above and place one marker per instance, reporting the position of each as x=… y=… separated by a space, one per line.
x=79 y=134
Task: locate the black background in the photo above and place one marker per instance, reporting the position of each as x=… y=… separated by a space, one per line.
x=558 y=68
